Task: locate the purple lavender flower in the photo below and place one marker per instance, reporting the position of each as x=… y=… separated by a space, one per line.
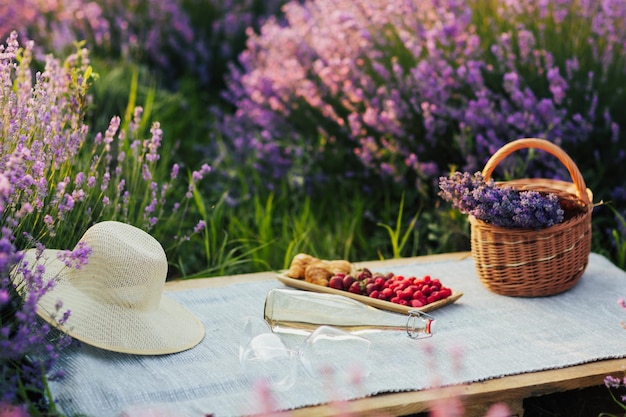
x=500 y=206
x=612 y=382
x=200 y=226
x=76 y=258
x=25 y=349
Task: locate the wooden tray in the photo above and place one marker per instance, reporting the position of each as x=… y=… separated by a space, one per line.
x=374 y=302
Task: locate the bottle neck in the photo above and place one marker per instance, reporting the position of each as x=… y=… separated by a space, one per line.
x=419 y=325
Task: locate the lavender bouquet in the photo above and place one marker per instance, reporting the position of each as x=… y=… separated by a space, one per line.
x=501 y=206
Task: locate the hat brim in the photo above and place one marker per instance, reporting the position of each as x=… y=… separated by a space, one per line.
x=170 y=328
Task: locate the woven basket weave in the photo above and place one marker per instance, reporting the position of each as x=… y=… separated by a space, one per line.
x=534 y=263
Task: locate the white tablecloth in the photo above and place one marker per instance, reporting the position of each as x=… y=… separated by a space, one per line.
x=481 y=336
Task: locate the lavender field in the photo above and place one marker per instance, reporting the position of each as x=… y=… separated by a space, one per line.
x=240 y=133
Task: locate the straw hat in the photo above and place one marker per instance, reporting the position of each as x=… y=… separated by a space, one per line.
x=115 y=300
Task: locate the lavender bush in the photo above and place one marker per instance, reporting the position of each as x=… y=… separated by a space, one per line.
x=56 y=181
x=64 y=179
x=27 y=350
x=175 y=38
x=398 y=92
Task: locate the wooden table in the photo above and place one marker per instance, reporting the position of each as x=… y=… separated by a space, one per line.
x=477 y=396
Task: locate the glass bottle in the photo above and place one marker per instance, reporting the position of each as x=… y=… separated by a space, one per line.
x=301 y=312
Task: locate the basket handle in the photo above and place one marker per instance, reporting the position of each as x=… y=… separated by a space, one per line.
x=509 y=148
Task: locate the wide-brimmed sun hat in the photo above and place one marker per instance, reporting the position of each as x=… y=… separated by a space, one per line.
x=115 y=300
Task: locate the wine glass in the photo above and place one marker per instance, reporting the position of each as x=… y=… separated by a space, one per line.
x=329 y=352
x=264 y=357
x=326 y=353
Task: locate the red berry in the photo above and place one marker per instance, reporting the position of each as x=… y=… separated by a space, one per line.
x=355 y=288
x=336 y=282
x=416 y=303
x=406 y=294
x=348 y=280
x=445 y=293
x=369 y=288
x=406 y=290
x=364 y=274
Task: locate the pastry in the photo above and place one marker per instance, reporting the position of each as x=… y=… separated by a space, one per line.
x=298 y=265
x=318 y=272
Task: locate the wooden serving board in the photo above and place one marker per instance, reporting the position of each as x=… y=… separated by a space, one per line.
x=374 y=302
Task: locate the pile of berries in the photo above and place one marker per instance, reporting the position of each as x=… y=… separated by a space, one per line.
x=409 y=291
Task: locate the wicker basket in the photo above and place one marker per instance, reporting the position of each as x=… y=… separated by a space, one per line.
x=533 y=263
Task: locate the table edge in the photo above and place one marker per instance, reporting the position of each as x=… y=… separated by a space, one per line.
x=478 y=393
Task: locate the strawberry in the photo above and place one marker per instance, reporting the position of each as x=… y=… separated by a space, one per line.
x=369 y=288
x=348 y=280
x=336 y=282
x=386 y=292
x=355 y=288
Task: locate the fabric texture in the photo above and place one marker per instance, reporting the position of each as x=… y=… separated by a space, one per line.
x=481 y=336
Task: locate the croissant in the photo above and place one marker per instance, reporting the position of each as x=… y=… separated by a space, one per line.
x=318 y=273
x=298 y=265
x=340 y=266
